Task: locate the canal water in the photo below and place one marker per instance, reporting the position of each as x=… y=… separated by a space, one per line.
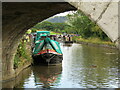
x=82 y=67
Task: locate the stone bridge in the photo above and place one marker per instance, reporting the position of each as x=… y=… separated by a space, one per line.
x=19 y=17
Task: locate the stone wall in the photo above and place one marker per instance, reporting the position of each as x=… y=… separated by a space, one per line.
x=17 y=80
x=19 y=17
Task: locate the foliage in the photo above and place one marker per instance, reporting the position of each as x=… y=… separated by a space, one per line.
x=54 y=33
x=77 y=23
x=33 y=29
x=21 y=55
x=93 y=41
x=16 y=61
x=82 y=25
x=56 y=27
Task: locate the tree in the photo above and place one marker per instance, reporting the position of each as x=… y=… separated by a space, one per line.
x=57 y=27
x=82 y=25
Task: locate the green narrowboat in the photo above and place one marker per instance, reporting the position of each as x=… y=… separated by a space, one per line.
x=46 y=50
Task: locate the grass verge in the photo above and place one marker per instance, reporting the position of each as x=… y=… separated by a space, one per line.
x=93 y=41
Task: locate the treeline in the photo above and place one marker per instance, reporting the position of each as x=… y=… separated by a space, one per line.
x=78 y=23
x=82 y=25
x=56 y=27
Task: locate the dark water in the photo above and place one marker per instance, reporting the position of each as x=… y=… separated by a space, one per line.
x=82 y=67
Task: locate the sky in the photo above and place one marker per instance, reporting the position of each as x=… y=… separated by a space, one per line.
x=62 y=14
x=65 y=13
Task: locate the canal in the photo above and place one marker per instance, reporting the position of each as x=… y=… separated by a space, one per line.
x=82 y=67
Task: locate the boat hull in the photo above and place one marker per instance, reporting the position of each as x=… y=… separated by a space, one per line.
x=48 y=59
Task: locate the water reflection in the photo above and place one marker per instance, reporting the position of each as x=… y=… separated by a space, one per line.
x=47 y=76
x=66 y=44
x=101 y=68
x=19 y=80
x=90 y=67
x=82 y=67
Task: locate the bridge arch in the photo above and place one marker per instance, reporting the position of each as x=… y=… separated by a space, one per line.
x=19 y=17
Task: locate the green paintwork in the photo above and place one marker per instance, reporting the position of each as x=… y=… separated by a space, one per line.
x=41 y=33
x=47 y=43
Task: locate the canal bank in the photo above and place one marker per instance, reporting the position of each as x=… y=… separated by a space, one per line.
x=22 y=60
x=24 y=73
x=17 y=71
x=94 y=42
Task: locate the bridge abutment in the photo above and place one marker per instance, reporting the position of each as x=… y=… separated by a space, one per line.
x=19 y=17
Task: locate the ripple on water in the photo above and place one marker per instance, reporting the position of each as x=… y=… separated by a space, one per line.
x=82 y=67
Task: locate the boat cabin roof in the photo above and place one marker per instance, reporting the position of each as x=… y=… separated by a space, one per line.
x=43 y=32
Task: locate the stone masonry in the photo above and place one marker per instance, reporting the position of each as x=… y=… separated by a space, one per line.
x=19 y=17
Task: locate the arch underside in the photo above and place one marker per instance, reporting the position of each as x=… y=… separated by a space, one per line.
x=18 y=17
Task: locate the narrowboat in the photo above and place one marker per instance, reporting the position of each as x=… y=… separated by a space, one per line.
x=46 y=50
